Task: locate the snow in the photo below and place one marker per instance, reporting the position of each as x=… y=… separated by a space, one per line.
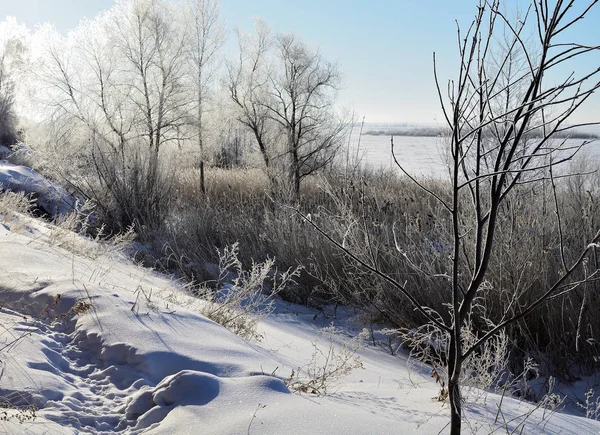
x=125 y=350
x=51 y=198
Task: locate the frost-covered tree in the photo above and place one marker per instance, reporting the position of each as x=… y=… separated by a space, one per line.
x=14 y=49
x=205 y=35
x=130 y=79
x=285 y=94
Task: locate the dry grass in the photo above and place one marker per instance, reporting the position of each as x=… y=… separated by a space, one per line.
x=410 y=239
x=11 y=205
x=386 y=219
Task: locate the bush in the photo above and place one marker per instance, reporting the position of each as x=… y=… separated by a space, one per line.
x=132 y=187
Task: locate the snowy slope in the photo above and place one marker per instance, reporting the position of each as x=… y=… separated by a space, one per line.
x=124 y=350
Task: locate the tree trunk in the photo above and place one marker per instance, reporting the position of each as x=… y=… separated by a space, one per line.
x=455 y=407
x=297 y=184
x=202 y=185
x=454 y=369
x=294 y=174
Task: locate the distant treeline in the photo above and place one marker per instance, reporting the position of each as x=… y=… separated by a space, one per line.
x=437 y=131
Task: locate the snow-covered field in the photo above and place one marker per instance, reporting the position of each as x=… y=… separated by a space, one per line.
x=426 y=156
x=100 y=345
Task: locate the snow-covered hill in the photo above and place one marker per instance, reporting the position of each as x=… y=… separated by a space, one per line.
x=100 y=345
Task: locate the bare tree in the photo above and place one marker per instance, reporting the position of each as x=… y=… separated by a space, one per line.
x=246 y=80
x=302 y=98
x=205 y=34
x=13 y=49
x=284 y=90
x=504 y=121
x=122 y=76
x=153 y=51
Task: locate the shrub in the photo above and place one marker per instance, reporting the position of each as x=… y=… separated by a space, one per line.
x=328 y=363
x=242 y=298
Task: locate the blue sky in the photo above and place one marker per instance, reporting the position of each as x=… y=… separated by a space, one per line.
x=383 y=47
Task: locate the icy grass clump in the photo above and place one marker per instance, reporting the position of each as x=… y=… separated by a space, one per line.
x=11 y=205
x=243 y=297
x=71 y=232
x=329 y=363
x=11 y=202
